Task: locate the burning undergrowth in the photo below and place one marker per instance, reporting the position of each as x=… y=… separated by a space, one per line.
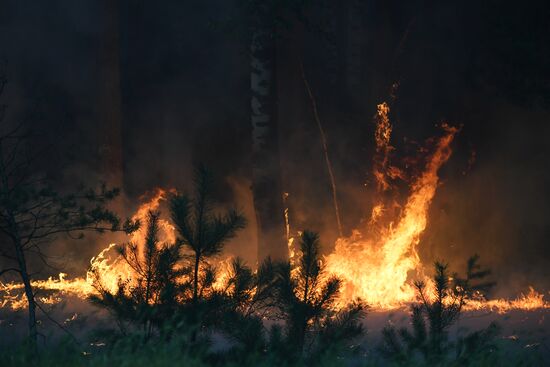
x=376 y=264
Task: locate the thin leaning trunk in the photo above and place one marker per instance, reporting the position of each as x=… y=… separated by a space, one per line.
x=325 y=153
x=21 y=262
x=25 y=278
x=29 y=294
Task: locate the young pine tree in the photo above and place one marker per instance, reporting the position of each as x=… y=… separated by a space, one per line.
x=432 y=317
x=200 y=230
x=244 y=301
x=151 y=296
x=306 y=299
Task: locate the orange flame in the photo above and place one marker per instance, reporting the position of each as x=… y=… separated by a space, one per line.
x=111 y=269
x=533 y=300
x=108 y=271
x=375 y=268
x=107 y=268
x=382 y=136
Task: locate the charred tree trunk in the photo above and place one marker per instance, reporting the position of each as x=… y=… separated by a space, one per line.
x=110 y=115
x=266 y=186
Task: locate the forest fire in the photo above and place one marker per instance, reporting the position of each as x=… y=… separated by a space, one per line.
x=375 y=264
x=279 y=183
x=110 y=269
x=107 y=269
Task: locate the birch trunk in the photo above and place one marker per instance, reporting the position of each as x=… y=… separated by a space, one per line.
x=109 y=109
x=266 y=186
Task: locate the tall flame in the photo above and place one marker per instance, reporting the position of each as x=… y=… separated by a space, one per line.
x=375 y=267
x=382 y=136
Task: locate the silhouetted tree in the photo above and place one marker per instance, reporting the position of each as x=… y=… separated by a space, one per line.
x=33 y=213
x=173 y=283
x=306 y=299
x=150 y=297
x=302 y=297
x=245 y=300
x=200 y=230
x=432 y=317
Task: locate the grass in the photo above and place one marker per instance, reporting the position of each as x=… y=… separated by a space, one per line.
x=129 y=352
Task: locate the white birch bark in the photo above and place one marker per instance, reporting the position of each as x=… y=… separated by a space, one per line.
x=266 y=187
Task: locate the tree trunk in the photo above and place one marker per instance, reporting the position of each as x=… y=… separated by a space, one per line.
x=196 y=279
x=266 y=186
x=33 y=333
x=20 y=257
x=109 y=103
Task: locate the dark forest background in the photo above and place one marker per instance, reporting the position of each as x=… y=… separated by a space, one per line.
x=171 y=80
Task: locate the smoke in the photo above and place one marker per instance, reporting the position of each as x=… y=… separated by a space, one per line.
x=497 y=209
x=185 y=99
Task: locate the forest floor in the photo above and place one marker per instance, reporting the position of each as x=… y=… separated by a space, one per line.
x=525 y=331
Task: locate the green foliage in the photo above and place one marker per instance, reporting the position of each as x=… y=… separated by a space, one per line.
x=244 y=302
x=173 y=283
x=305 y=298
x=431 y=318
x=33 y=212
x=130 y=351
x=300 y=301
x=151 y=297
x=200 y=229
